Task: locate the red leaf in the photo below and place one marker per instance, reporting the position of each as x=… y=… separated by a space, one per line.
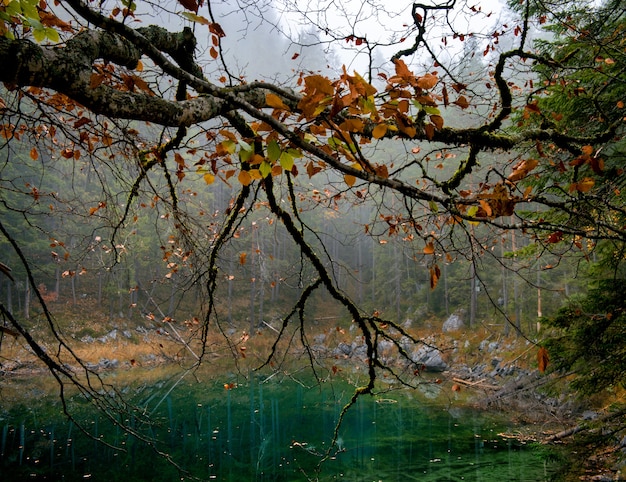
x=555 y=237
x=81 y=122
x=189 y=5
x=216 y=29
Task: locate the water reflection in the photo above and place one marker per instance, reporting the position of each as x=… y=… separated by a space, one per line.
x=265 y=432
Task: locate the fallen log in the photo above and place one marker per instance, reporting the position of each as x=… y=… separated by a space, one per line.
x=477 y=384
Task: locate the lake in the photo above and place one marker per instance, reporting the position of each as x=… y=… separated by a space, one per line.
x=255 y=429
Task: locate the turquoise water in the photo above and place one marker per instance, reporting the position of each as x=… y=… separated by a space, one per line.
x=255 y=431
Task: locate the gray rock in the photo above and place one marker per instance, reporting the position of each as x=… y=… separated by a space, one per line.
x=343 y=349
x=106 y=363
x=360 y=352
x=430 y=358
x=385 y=345
x=453 y=323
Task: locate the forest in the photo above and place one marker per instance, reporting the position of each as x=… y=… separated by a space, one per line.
x=243 y=178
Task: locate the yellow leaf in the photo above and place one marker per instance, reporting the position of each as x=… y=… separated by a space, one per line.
x=582 y=186
x=208 y=178
x=272 y=100
x=379 y=131
x=586 y=184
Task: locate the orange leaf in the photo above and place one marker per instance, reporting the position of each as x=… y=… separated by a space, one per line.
x=586 y=184
x=242 y=258
x=244 y=178
x=587 y=150
x=522 y=168
x=213 y=53
x=429 y=248
x=543 y=359
x=437 y=121
x=34 y=155
x=274 y=101
x=582 y=186
x=95 y=80
x=435 y=274
x=428 y=81
x=350 y=180
x=462 y=102
x=401 y=69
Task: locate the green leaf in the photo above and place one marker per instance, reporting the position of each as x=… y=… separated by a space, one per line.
x=52 y=35
x=273 y=151
x=286 y=161
x=229 y=146
x=39 y=34
x=433 y=206
x=244 y=145
x=245 y=155
x=30 y=10
x=14 y=8
x=430 y=110
x=295 y=153
x=265 y=168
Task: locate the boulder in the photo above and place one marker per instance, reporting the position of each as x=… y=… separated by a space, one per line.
x=430 y=358
x=453 y=323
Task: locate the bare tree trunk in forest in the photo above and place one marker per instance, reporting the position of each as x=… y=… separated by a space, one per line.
x=373 y=279
x=9 y=297
x=539 y=310
x=99 y=288
x=445 y=288
x=516 y=301
x=398 y=283
x=473 y=295
x=503 y=301
x=57 y=281
x=252 y=283
x=27 y=300
x=172 y=302
x=231 y=269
